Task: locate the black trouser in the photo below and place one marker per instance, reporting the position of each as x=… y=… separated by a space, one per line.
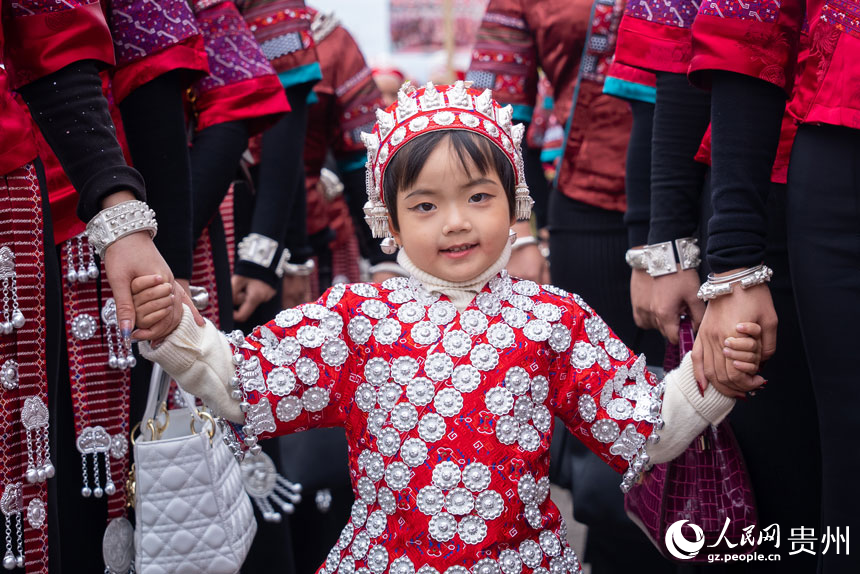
x=823 y=214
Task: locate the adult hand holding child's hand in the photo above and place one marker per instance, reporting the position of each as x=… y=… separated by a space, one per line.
x=158 y=306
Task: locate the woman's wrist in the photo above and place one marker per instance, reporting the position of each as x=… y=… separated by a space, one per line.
x=116 y=198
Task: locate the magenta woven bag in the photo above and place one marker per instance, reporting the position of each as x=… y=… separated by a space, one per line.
x=705 y=485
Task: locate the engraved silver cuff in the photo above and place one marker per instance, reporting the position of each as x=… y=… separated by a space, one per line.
x=637 y=258
x=120 y=220
x=718 y=286
x=662 y=259
x=258 y=249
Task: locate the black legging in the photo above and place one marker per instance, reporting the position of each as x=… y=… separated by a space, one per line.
x=823 y=213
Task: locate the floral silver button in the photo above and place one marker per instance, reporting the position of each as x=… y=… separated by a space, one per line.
x=388 y=395
x=313 y=311
x=366 y=490
x=375 y=309
x=386 y=331
x=334 y=295
x=376 y=371
x=583 y=355
x=431 y=427
x=375 y=421
x=466 y=378
x=457 y=343
x=438 y=366
x=526 y=287
x=315 y=399
x=587 y=408
x=83 y=327
x=531 y=553
x=539 y=388
x=359 y=513
x=365 y=397
x=547 y=312
x=376 y=523
x=489 y=304
x=427 y=570
x=557 y=565
x=334 y=352
x=430 y=500
x=556 y=290
x=288 y=409
x=347 y=565
x=288 y=318
x=500 y=336
x=441 y=312
x=517 y=380
x=388 y=441
x=527 y=489
x=359 y=329
x=619 y=409
x=397 y=475
x=485 y=566
x=360 y=545
x=549 y=543
x=559 y=338
x=473 y=322
x=521 y=302
x=523 y=408
x=510 y=562
x=499 y=400
x=537 y=330
x=529 y=438
x=374 y=465
x=605 y=430
x=514 y=317
x=541 y=418
x=281 y=381
x=425 y=333
x=411 y=312
x=484 y=357
x=414 y=452
x=472 y=529
x=400 y=296
x=402 y=565
x=501 y=286
x=446 y=475
x=364 y=290
x=345 y=536
x=617 y=350
x=307 y=371
x=332 y=561
x=404 y=417
x=443 y=527
x=459 y=502
x=332 y=324
x=394 y=283
x=489 y=505
x=457 y=570
x=476 y=476
x=448 y=402
x=403 y=369
x=419 y=392
x=533 y=516
x=377 y=558
x=507 y=430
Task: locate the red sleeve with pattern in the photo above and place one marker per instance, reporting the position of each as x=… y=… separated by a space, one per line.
x=603 y=392
x=758 y=39
x=294 y=370
x=655 y=35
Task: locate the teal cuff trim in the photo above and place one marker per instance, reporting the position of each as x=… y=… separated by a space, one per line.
x=548 y=102
x=312 y=98
x=522 y=113
x=307 y=73
x=550 y=155
x=352 y=162
x=630 y=90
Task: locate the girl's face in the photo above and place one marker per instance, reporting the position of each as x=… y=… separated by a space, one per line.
x=453 y=223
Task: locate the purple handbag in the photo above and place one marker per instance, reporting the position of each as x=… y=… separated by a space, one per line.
x=704 y=486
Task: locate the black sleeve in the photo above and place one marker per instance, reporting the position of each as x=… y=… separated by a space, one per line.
x=637 y=179
x=215 y=155
x=280 y=211
x=681 y=118
x=72 y=113
x=154 y=121
x=746 y=117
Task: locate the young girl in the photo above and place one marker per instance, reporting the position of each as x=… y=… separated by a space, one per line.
x=447 y=382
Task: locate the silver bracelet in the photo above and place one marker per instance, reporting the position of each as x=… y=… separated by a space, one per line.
x=258 y=249
x=120 y=220
x=283 y=262
x=718 y=286
x=637 y=258
x=661 y=256
x=298 y=269
x=524 y=241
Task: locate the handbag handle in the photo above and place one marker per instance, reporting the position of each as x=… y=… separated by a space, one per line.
x=159 y=385
x=686 y=338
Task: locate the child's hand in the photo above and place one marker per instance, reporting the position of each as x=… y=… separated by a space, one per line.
x=743 y=358
x=153 y=300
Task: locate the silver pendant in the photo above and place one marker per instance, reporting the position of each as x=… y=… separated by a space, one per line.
x=265 y=486
x=11 y=504
x=95 y=441
x=34 y=417
x=13 y=318
x=118 y=546
x=86 y=263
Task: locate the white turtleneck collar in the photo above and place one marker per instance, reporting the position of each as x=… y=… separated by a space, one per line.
x=459 y=293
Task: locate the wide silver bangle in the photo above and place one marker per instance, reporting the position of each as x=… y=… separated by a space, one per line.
x=118 y=221
x=297 y=269
x=524 y=241
x=637 y=258
x=718 y=286
x=258 y=249
x=662 y=260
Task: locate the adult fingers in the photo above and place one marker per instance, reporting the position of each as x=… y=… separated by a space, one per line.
x=697 y=312
x=238 y=285
x=699 y=364
x=751 y=329
x=768 y=339
x=745 y=367
x=669 y=322
x=247 y=307
x=121 y=288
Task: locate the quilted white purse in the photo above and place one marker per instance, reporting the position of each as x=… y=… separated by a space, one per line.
x=192 y=513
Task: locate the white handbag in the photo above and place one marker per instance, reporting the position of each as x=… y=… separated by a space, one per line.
x=192 y=513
